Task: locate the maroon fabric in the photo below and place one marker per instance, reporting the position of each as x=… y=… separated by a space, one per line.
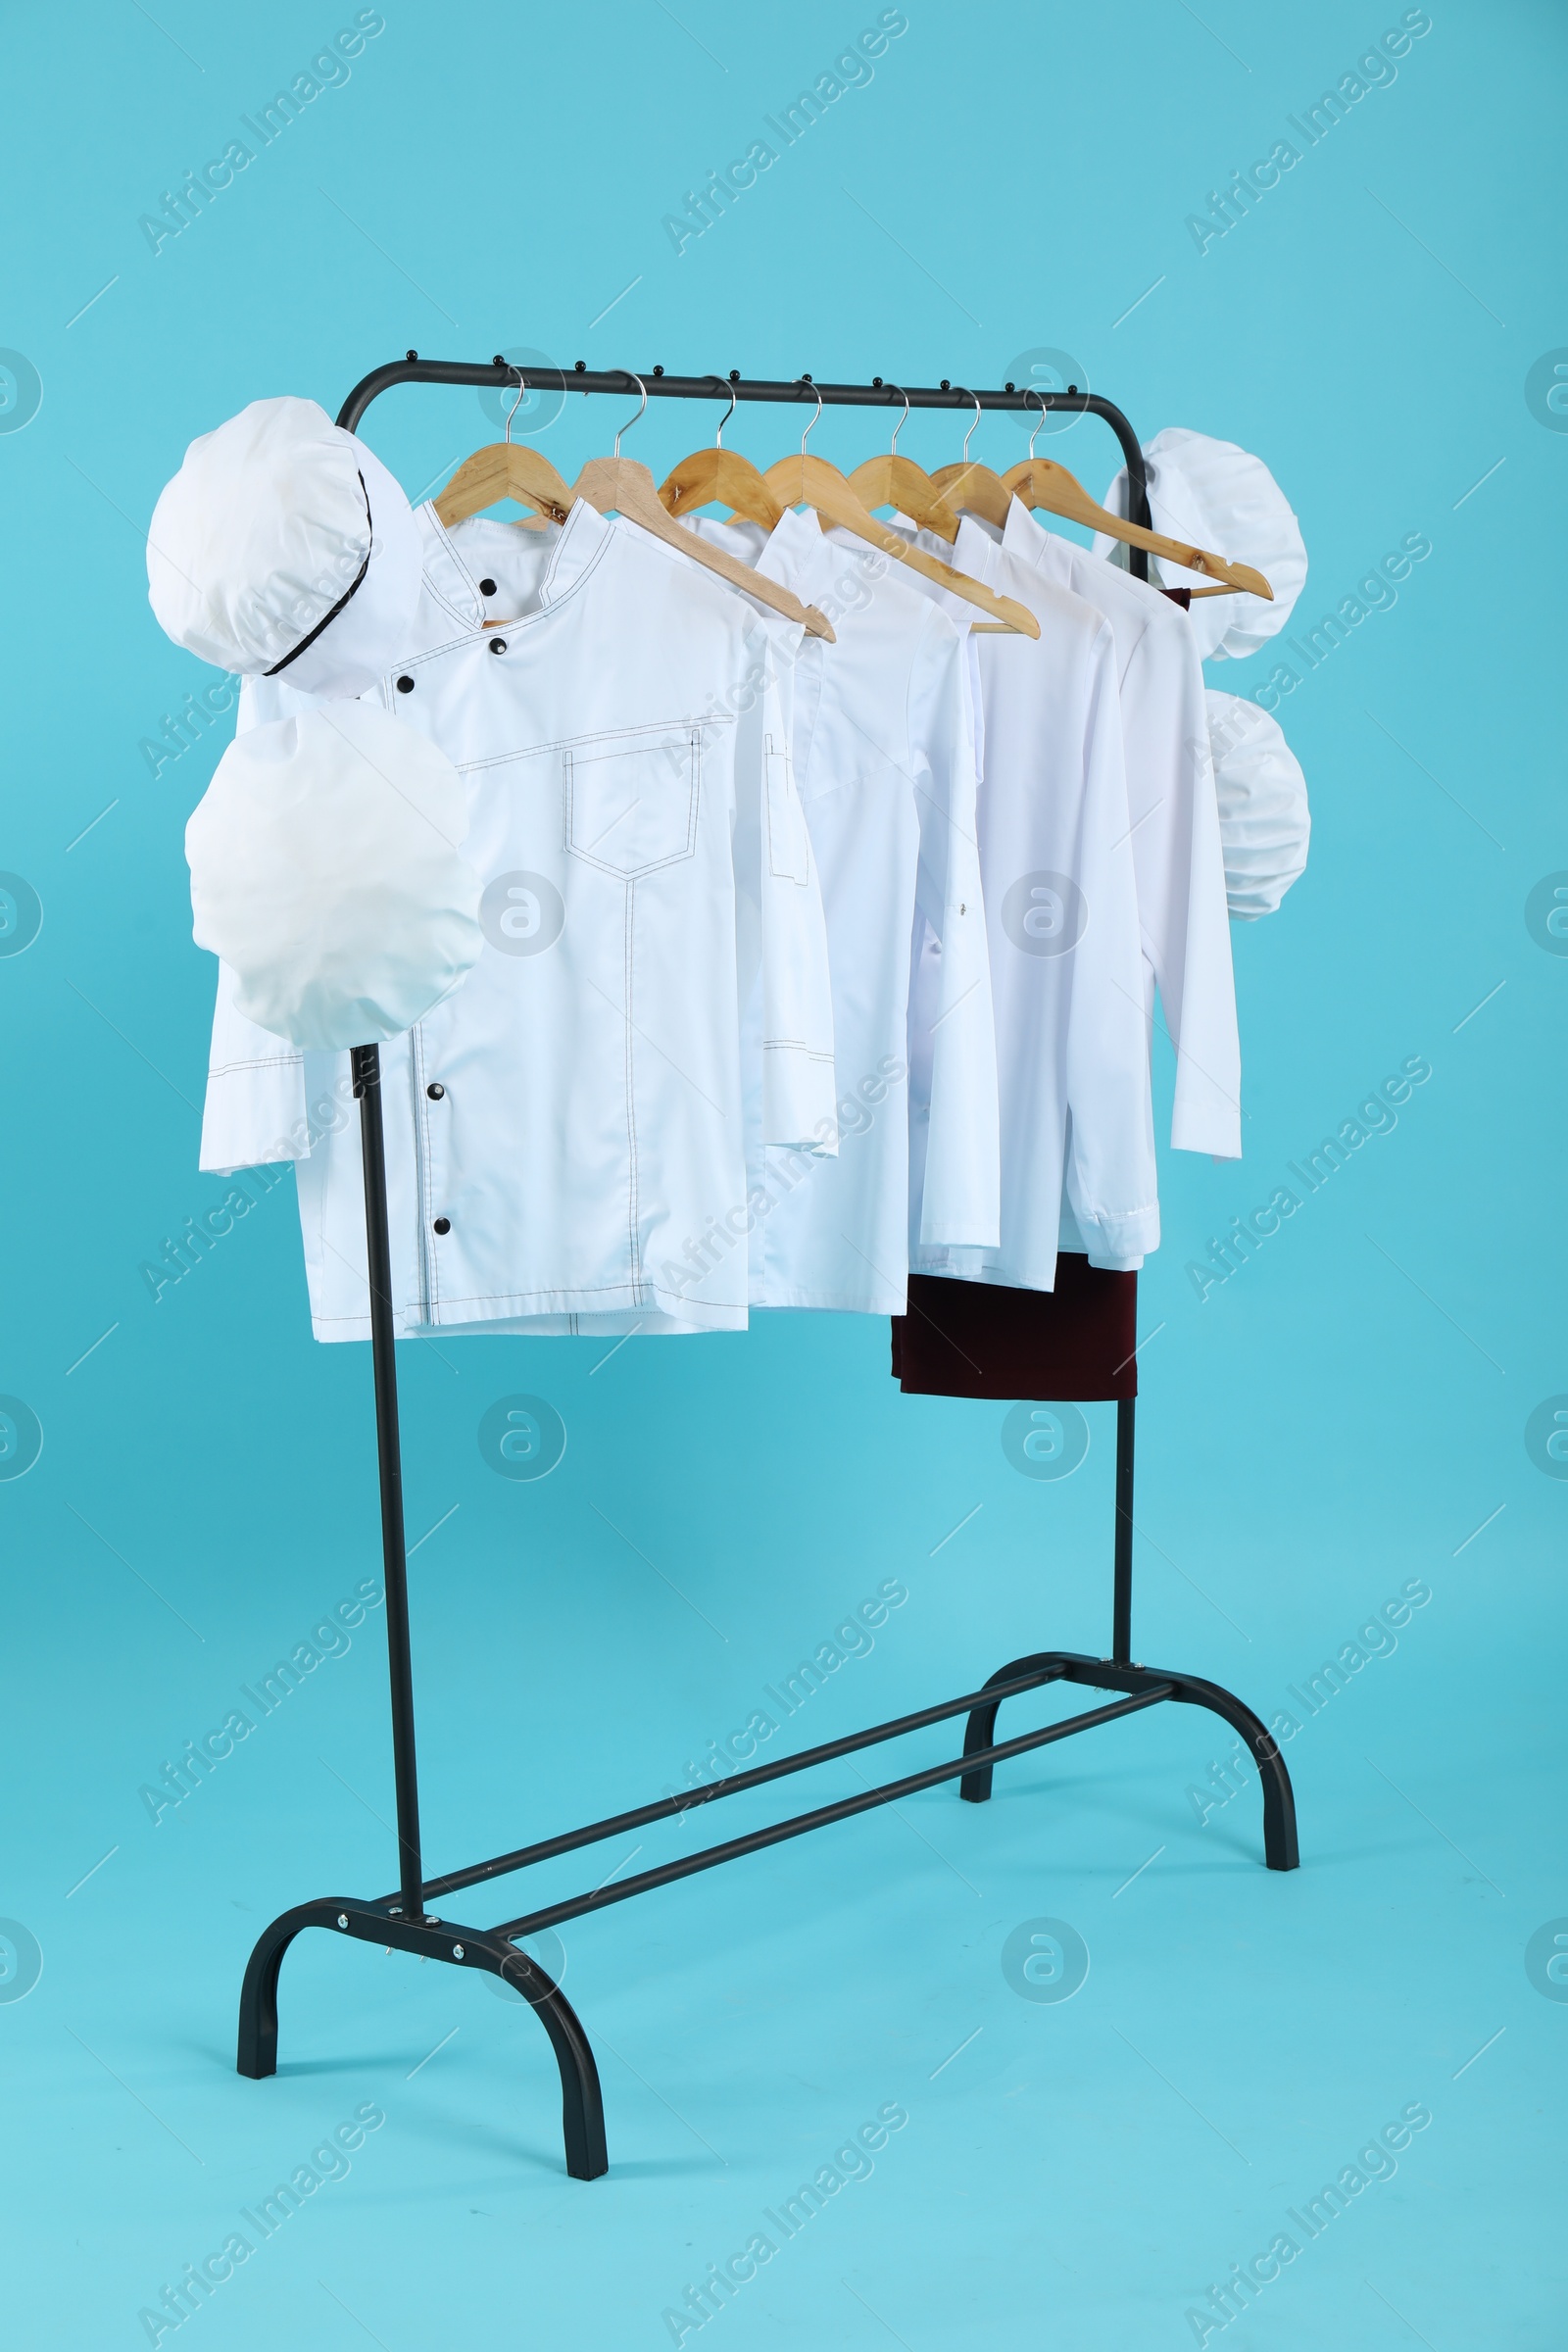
x=1179 y=596
x=1075 y=1344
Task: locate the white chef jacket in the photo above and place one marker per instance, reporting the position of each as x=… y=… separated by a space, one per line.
x=573 y=1115
x=1062 y=922
x=885 y=763
x=1175 y=818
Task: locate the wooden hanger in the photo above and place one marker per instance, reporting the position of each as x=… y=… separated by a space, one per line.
x=621 y=486
x=504 y=470
x=720 y=476
x=975 y=488
x=1040 y=482
x=898 y=482
x=807 y=481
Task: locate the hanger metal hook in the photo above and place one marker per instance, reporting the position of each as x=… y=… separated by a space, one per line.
x=632 y=421
x=969 y=435
x=522 y=387
x=1035 y=435
x=811 y=427
x=718 y=437
x=893 y=445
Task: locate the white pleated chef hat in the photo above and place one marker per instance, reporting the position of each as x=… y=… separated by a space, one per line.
x=1216 y=496
x=283 y=548
x=324 y=871
x=1264 y=822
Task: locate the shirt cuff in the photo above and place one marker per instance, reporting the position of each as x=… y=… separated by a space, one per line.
x=1211 y=1127
x=1119 y=1240
x=255 y=1113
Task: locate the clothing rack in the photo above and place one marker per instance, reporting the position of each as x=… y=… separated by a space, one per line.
x=403 y=1921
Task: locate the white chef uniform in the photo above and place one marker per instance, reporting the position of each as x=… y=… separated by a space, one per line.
x=565 y=1133
x=1175 y=820
x=885 y=763
x=1061 y=921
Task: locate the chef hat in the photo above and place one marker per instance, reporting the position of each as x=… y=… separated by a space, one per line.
x=324 y=871
x=1264 y=823
x=283 y=546
x=1215 y=496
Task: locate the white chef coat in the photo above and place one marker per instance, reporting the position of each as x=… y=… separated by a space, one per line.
x=1175 y=818
x=1061 y=921
x=573 y=1114
x=886 y=768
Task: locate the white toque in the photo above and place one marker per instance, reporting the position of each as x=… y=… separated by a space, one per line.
x=1216 y=496
x=1264 y=823
x=324 y=870
x=283 y=546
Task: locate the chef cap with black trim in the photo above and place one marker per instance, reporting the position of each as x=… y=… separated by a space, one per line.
x=1264 y=822
x=283 y=548
x=1213 y=495
x=324 y=870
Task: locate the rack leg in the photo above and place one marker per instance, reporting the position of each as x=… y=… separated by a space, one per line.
x=582 y=2110
x=258 y=1999
x=582 y=2106
x=1280 y=1850
x=366 y=1068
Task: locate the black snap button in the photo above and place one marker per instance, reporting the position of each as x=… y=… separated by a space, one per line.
x=443 y=1224
x=435 y=1090
x=487 y=587
x=405 y=685
x=497 y=645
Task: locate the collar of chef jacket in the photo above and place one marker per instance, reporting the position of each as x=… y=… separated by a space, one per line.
x=886 y=765
x=564 y=1136
x=1176 y=837
x=1061 y=916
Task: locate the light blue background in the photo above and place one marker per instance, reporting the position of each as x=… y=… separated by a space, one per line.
x=1337 y=1419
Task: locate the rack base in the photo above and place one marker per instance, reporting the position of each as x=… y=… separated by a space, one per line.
x=385 y=1922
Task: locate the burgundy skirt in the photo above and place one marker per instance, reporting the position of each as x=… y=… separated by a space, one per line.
x=1075 y=1344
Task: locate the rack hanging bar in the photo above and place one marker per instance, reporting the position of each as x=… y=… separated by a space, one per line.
x=780 y=391
x=620 y=1890
x=685 y=1800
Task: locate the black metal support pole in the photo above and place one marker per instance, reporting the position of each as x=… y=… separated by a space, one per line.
x=1121 y=1622
x=367 y=1067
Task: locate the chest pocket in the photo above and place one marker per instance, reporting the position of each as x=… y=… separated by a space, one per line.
x=631 y=805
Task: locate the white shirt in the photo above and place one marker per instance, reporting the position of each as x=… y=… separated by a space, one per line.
x=885 y=764
x=1061 y=921
x=573 y=1112
x=1175 y=818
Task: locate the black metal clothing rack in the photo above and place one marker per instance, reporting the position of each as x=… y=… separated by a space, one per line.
x=404 y=1920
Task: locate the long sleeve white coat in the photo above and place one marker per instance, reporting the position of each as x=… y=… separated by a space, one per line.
x=1175 y=819
x=563 y=1135
x=1061 y=921
x=885 y=761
